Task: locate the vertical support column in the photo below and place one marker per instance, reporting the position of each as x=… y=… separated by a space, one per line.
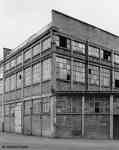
x=86 y=66
x=100 y=69
x=83 y=103
x=53 y=66
x=22 y=91
x=111 y=116
x=112 y=72
x=72 y=63
x=53 y=115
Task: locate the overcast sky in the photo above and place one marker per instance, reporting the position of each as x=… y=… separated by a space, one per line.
x=21 y=18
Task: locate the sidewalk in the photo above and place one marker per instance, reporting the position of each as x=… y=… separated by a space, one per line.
x=42 y=143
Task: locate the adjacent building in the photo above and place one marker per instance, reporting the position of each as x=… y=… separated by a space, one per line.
x=63 y=82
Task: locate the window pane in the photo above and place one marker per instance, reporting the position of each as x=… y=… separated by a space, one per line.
x=116 y=58
x=63 y=68
x=105 y=77
x=28 y=106
x=78 y=72
x=13 y=82
x=47 y=69
x=19 y=79
x=27 y=76
x=37 y=73
x=36 y=106
x=27 y=54
x=93 y=75
x=36 y=49
x=93 y=51
x=7 y=84
x=19 y=59
x=106 y=55
x=46 y=44
x=13 y=63
x=7 y=66
x=77 y=46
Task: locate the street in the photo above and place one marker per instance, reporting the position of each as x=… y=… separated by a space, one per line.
x=21 y=142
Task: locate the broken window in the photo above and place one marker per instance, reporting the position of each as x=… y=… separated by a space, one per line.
x=63 y=68
x=97 y=107
x=106 y=55
x=93 y=75
x=116 y=76
x=62 y=41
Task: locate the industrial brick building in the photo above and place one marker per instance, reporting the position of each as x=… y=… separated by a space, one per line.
x=63 y=82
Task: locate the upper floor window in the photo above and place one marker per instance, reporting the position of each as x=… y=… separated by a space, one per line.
x=77 y=46
x=19 y=59
x=13 y=82
x=13 y=63
x=93 y=75
x=19 y=80
x=116 y=58
x=93 y=51
x=46 y=44
x=47 y=69
x=62 y=41
x=7 y=84
x=63 y=68
x=27 y=76
x=7 y=66
x=28 y=54
x=78 y=72
x=105 y=77
x=37 y=73
x=36 y=49
x=106 y=55
x=116 y=79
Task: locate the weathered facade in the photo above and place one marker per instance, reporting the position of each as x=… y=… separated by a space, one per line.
x=63 y=82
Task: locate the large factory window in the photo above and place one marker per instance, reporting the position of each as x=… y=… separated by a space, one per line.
x=78 y=72
x=105 y=77
x=27 y=76
x=47 y=69
x=93 y=75
x=63 y=69
x=37 y=73
x=93 y=51
x=77 y=46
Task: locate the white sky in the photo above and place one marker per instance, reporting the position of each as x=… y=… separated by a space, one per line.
x=21 y=18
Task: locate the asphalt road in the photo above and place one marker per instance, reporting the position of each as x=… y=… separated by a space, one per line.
x=20 y=142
